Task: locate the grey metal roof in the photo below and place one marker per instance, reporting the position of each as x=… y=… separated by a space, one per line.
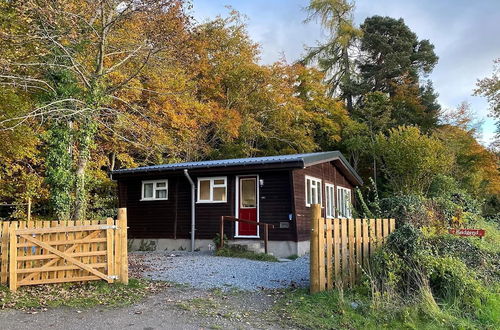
x=296 y=160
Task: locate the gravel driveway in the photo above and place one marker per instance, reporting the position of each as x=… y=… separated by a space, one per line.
x=205 y=271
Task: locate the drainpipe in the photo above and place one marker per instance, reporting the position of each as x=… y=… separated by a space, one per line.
x=193 y=192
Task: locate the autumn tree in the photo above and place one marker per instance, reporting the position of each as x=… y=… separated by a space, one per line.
x=102 y=46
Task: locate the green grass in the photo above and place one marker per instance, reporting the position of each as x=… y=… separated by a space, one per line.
x=233 y=251
x=354 y=309
x=77 y=295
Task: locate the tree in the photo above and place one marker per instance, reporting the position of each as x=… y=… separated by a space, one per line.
x=375 y=114
x=102 y=45
x=335 y=56
x=411 y=160
x=490 y=88
x=391 y=53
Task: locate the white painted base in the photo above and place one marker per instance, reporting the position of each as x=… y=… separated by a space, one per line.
x=280 y=249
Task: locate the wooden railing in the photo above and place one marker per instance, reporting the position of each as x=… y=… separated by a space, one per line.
x=340 y=248
x=42 y=252
x=234 y=219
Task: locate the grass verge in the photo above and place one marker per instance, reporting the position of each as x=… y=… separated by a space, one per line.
x=78 y=295
x=236 y=251
x=355 y=310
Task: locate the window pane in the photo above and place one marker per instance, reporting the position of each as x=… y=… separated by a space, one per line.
x=308 y=191
x=161 y=184
x=205 y=190
x=248 y=193
x=161 y=193
x=148 y=190
x=220 y=194
x=221 y=182
x=320 y=195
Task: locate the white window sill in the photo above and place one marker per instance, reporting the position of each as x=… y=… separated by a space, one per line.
x=152 y=199
x=211 y=202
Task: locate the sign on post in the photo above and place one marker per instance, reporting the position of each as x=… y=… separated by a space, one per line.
x=467 y=232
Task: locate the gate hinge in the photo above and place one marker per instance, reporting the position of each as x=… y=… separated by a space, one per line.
x=108 y=227
x=113 y=277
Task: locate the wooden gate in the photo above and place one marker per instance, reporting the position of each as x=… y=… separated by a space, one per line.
x=340 y=248
x=45 y=252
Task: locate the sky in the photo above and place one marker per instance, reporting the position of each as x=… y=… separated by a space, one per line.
x=465 y=34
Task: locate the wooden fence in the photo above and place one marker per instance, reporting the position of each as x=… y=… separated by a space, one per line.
x=340 y=248
x=43 y=252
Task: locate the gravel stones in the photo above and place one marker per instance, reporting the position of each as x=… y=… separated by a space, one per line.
x=205 y=271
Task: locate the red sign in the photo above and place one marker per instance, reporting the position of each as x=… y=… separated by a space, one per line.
x=467 y=232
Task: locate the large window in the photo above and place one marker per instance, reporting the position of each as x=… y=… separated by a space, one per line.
x=212 y=190
x=313 y=191
x=344 y=202
x=330 y=200
x=154 y=190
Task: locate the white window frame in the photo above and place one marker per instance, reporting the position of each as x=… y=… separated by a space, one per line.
x=318 y=188
x=155 y=188
x=344 y=209
x=212 y=186
x=330 y=200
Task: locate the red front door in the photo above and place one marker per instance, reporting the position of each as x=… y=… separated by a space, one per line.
x=247 y=208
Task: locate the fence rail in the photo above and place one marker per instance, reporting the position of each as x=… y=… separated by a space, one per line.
x=234 y=219
x=340 y=248
x=42 y=252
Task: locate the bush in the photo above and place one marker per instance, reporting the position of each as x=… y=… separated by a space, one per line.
x=456 y=272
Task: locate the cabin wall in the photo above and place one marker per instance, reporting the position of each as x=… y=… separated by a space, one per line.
x=328 y=173
x=172 y=218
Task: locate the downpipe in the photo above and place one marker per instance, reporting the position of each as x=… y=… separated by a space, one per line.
x=193 y=204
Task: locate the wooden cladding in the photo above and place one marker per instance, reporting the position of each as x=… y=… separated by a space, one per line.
x=340 y=248
x=42 y=252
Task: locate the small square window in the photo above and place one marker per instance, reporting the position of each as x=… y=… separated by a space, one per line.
x=154 y=190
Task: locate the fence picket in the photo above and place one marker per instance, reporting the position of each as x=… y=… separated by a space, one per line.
x=329 y=251
x=359 y=259
x=352 y=266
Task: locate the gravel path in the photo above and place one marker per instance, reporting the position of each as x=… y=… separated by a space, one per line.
x=206 y=271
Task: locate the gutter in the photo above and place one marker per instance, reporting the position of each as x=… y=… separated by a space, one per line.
x=193 y=201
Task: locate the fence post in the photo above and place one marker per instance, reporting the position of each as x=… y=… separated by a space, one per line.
x=314 y=249
x=5 y=253
x=123 y=246
x=13 y=258
x=221 y=243
x=266 y=237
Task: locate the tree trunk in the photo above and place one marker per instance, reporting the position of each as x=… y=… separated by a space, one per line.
x=81 y=195
x=347 y=68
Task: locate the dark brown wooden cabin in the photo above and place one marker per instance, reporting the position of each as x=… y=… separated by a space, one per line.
x=277 y=190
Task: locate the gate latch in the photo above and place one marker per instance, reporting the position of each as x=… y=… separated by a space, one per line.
x=108 y=227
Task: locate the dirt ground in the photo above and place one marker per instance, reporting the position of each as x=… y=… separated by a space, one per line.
x=174 y=308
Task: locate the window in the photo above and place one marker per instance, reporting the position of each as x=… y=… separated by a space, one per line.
x=344 y=202
x=212 y=190
x=313 y=191
x=154 y=190
x=248 y=193
x=330 y=200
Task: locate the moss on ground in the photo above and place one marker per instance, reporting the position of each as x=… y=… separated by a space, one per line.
x=233 y=251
